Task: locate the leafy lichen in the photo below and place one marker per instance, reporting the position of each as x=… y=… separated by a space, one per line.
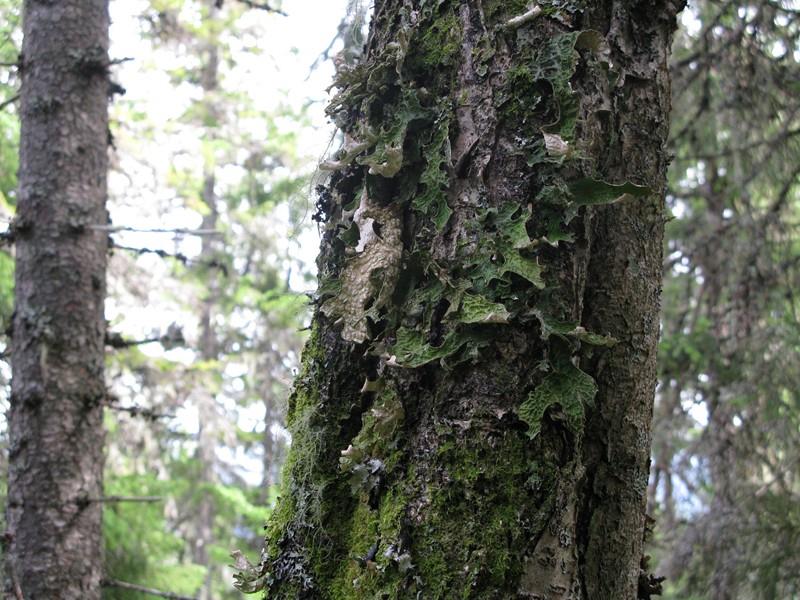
x=433 y=198
x=368 y=278
x=566 y=387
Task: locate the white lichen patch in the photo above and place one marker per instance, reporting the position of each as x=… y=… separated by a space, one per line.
x=518 y=21
x=369 y=277
x=556 y=145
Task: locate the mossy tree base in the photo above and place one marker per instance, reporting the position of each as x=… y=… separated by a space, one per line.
x=472 y=417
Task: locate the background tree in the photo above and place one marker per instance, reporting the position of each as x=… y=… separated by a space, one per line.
x=725 y=474
x=473 y=411
x=228 y=292
x=54 y=543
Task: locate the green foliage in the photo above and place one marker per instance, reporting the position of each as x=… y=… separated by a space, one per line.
x=140 y=547
x=476 y=309
x=9 y=145
x=387 y=157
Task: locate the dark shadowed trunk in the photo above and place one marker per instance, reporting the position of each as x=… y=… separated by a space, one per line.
x=472 y=417
x=54 y=545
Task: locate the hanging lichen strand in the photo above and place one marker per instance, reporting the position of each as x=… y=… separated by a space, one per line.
x=438 y=419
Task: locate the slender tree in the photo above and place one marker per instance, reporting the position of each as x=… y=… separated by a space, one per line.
x=472 y=419
x=208 y=411
x=54 y=547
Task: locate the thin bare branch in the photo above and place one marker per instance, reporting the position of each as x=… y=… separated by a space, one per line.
x=182 y=258
x=252 y=4
x=9 y=101
x=138 y=411
x=144 y=590
x=176 y=231
x=113 y=499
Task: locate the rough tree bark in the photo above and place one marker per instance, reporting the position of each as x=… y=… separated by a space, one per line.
x=472 y=417
x=54 y=540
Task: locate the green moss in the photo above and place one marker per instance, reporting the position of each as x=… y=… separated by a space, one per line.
x=440 y=42
x=472 y=540
x=361 y=534
x=305 y=393
x=376 y=531
x=518 y=100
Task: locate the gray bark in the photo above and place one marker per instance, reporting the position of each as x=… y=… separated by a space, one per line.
x=54 y=539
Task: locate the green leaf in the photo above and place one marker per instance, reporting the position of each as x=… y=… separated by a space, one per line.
x=514 y=227
x=568 y=387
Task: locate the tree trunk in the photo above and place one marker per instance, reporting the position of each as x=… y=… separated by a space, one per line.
x=472 y=417
x=57 y=392
x=208 y=415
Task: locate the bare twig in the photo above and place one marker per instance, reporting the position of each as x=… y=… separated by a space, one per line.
x=112 y=499
x=182 y=258
x=263 y=6
x=144 y=590
x=139 y=411
x=116 y=341
x=11 y=100
x=176 y=231
x=112 y=402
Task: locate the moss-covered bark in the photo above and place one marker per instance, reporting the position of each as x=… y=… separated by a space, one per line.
x=472 y=416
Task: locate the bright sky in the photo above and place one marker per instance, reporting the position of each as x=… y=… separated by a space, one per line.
x=276 y=71
x=279 y=72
